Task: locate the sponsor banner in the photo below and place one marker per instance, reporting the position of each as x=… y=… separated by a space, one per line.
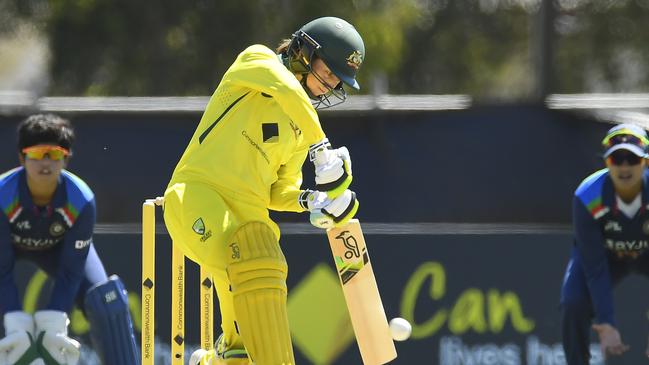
x=472 y=298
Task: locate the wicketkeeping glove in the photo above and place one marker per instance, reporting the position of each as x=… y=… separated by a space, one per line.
x=326 y=212
x=333 y=168
x=54 y=345
x=17 y=347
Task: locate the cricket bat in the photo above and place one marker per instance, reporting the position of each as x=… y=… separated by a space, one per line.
x=361 y=294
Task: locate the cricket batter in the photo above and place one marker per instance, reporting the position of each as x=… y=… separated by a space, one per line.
x=245 y=158
x=611 y=220
x=47 y=218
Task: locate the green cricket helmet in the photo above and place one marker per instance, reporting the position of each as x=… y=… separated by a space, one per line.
x=337 y=43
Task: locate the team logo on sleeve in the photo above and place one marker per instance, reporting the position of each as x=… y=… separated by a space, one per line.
x=199 y=228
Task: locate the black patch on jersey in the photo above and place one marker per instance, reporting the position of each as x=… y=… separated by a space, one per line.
x=266 y=95
x=270 y=132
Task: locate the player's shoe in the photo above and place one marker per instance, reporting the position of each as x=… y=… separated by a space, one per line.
x=220 y=356
x=201 y=357
x=231 y=356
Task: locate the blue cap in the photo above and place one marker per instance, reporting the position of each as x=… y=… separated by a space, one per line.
x=628 y=137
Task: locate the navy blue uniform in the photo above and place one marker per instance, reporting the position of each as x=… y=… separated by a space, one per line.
x=57 y=238
x=608 y=247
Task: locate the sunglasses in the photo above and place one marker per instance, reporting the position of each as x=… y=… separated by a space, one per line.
x=38 y=152
x=618 y=158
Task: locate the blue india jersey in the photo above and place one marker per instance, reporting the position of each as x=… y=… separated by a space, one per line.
x=61 y=231
x=605 y=236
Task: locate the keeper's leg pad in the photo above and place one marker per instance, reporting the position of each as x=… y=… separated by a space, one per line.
x=257 y=271
x=111 y=328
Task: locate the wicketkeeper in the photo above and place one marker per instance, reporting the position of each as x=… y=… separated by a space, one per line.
x=48 y=217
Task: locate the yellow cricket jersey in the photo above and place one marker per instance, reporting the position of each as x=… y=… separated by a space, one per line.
x=254 y=134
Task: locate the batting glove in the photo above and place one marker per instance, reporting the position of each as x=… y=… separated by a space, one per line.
x=333 y=168
x=328 y=213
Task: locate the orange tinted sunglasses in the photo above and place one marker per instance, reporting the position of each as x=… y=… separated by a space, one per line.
x=39 y=152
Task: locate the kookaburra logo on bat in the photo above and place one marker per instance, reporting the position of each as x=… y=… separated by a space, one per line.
x=350 y=243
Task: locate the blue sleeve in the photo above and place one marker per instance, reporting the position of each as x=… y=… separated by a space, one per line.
x=72 y=262
x=590 y=243
x=9 y=299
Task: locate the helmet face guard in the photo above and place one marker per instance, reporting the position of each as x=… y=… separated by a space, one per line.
x=301 y=51
x=336 y=95
x=300 y=56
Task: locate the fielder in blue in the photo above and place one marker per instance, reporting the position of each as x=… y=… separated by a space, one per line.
x=611 y=222
x=48 y=217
